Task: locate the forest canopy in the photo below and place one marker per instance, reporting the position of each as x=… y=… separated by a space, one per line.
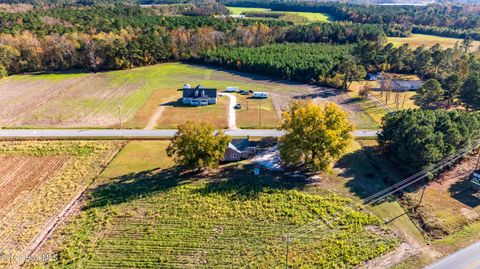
x=415 y=139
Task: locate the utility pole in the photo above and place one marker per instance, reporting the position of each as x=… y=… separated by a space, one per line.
x=287 y=241
x=120 y=116
x=478 y=162
x=260 y=112
x=421 y=197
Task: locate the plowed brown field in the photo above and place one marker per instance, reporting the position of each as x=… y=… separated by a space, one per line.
x=20 y=175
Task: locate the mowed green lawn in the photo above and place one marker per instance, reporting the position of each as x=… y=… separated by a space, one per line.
x=417 y=40
x=142 y=213
x=311 y=16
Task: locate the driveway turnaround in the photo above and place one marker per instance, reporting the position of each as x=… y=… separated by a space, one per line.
x=118 y=133
x=467 y=258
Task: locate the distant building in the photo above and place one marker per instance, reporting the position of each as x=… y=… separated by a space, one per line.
x=239 y=149
x=232 y=89
x=404 y=85
x=374 y=76
x=199 y=96
x=260 y=95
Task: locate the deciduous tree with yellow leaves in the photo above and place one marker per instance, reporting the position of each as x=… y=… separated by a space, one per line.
x=316 y=135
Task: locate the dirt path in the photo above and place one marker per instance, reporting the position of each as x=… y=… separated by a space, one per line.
x=232 y=114
x=158 y=113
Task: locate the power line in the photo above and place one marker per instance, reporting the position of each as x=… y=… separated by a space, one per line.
x=392 y=189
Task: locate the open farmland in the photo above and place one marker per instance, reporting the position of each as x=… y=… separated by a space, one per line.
x=311 y=16
x=37 y=180
x=142 y=213
x=73 y=100
x=417 y=40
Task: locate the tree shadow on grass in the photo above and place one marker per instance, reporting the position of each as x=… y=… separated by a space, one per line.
x=464 y=193
x=241 y=184
x=323 y=93
x=234 y=182
x=364 y=177
x=369 y=172
x=133 y=186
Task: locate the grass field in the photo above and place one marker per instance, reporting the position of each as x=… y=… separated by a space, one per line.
x=417 y=40
x=176 y=113
x=256 y=113
x=144 y=214
x=449 y=203
x=311 y=16
x=76 y=100
x=38 y=179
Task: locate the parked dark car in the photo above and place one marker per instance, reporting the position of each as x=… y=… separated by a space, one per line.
x=250 y=91
x=245 y=93
x=237 y=106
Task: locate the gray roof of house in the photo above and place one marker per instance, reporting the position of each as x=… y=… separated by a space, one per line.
x=199 y=92
x=407 y=84
x=239 y=144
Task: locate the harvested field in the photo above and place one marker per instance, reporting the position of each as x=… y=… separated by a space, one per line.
x=38 y=179
x=310 y=16
x=19 y=175
x=417 y=40
x=82 y=100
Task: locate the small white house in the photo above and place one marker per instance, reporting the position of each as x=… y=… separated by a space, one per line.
x=232 y=89
x=260 y=95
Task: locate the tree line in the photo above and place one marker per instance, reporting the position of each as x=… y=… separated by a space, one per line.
x=64 y=20
x=398 y=19
x=337 y=65
x=415 y=139
x=303 y=62
x=120 y=37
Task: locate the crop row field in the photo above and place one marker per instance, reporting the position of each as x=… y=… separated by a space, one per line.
x=142 y=213
x=37 y=180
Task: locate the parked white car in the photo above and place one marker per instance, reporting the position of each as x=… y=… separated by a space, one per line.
x=232 y=89
x=260 y=95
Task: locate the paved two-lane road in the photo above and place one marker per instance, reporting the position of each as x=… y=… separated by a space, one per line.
x=467 y=258
x=116 y=133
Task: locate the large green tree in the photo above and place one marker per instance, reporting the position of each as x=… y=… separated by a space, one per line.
x=452 y=86
x=431 y=92
x=197 y=146
x=470 y=94
x=315 y=135
x=415 y=139
x=351 y=71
